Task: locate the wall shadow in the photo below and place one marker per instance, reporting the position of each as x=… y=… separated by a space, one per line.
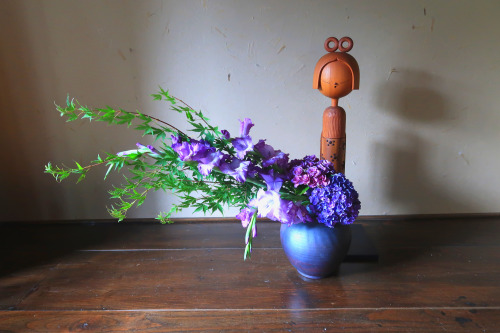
x=414 y=96
x=401 y=159
x=401 y=169
x=21 y=95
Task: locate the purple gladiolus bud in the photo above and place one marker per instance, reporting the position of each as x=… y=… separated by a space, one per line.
x=148 y=149
x=245 y=126
x=126 y=152
x=245 y=215
x=226 y=134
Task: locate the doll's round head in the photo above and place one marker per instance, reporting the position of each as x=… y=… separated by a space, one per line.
x=336 y=73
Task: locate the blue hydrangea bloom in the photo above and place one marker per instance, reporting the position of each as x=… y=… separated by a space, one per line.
x=335 y=203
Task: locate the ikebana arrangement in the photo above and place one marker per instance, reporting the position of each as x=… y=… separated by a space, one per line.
x=209 y=169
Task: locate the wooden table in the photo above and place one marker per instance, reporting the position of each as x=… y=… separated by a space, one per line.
x=433 y=275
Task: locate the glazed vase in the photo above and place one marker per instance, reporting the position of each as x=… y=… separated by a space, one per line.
x=315 y=250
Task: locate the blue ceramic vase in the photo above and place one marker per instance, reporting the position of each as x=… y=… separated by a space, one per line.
x=314 y=249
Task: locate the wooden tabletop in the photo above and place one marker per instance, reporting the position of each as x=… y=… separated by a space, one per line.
x=432 y=275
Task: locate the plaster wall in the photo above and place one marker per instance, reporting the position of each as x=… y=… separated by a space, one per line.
x=422 y=131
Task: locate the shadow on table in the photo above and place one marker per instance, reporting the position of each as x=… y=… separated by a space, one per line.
x=24 y=246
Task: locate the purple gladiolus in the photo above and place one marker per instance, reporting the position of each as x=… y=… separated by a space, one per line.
x=270 y=155
x=273 y=180
x=268 y=204
x=280 y=159
x=209 y=161
x=236 y=168
x=264 y=149
x=193 y=150
x=295 y=213
x=242 y=146
x=183 y=149
x=199 y=151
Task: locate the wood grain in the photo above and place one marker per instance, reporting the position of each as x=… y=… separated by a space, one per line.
x=330 y=320
x=218 y=278
x=432 y=275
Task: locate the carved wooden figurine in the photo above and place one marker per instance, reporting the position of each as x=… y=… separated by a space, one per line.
x=336 y=75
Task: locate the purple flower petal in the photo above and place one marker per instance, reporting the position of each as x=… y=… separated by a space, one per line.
x=208 y=162
x=242 y=146
x=268 y=204
x=236 y=168
x=184 y=150
x=245 y=126
x=273 y=180
x=280 y=159
x=175 y=139
x=245 y=215
x=264 y=149
x=271 y=156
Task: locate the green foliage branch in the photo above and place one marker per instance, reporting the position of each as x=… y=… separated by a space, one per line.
x=148 y=170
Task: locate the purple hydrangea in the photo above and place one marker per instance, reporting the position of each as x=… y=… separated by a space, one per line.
x=311 y=171
x=335 y=203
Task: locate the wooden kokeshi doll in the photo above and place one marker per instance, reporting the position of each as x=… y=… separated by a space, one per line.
x=336 y=75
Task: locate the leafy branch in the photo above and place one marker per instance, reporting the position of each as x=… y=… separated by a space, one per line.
x=161 y=171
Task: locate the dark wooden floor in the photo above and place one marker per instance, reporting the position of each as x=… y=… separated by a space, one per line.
x=433 y=275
